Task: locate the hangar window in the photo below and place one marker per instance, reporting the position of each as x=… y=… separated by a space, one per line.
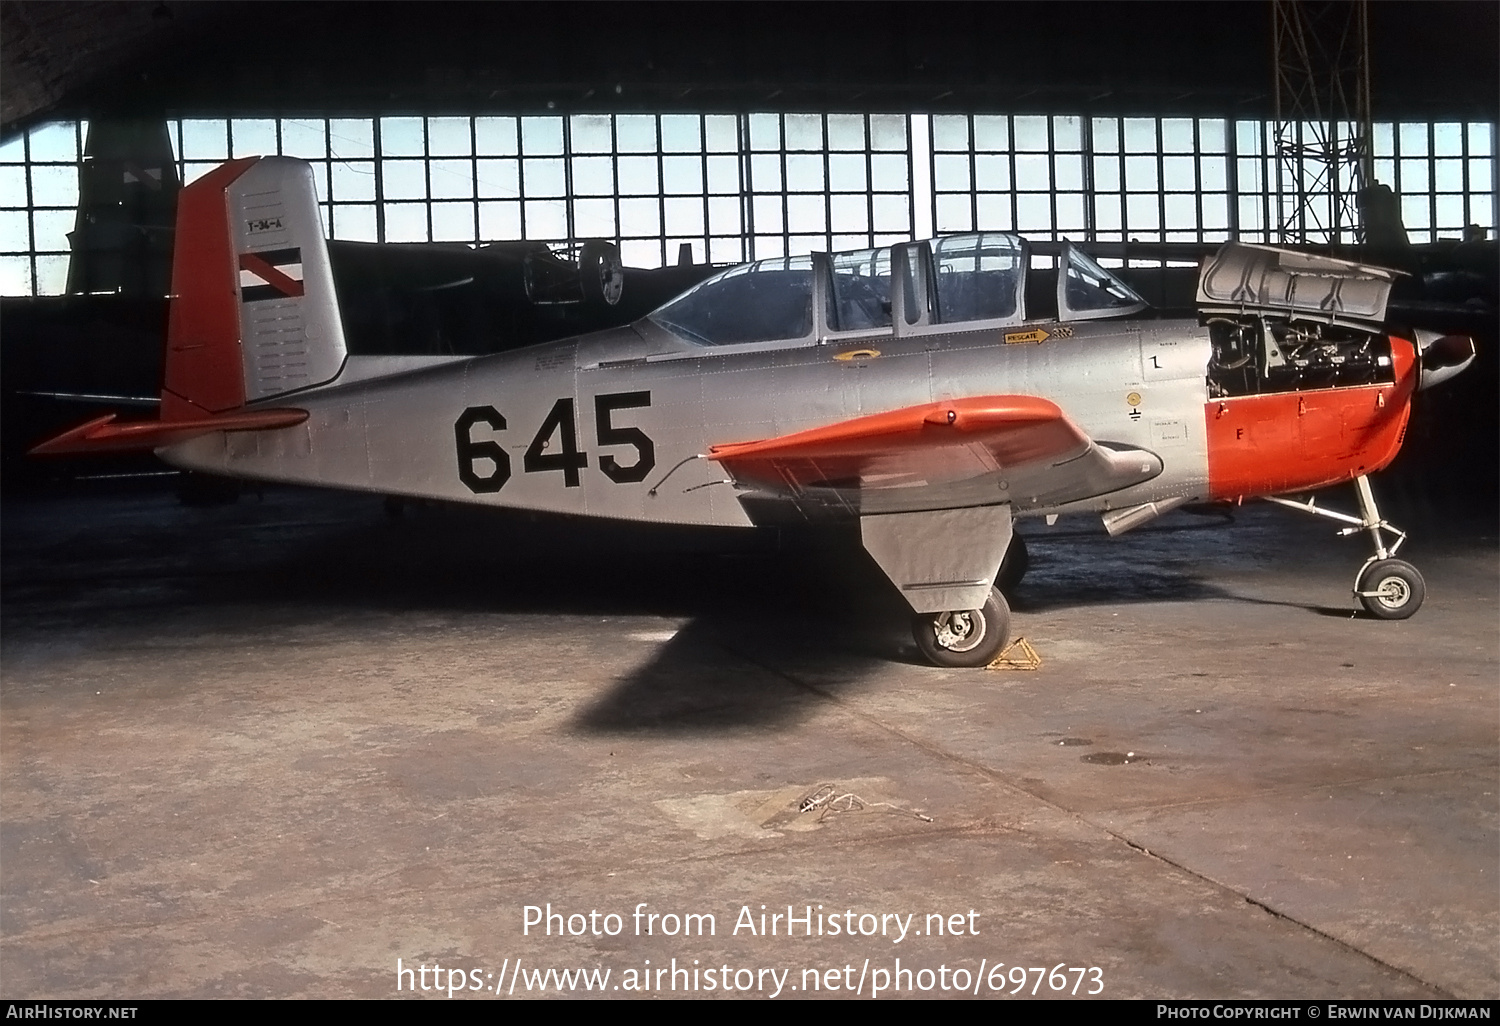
x=726 y=188
x=38 y=207
x=998 y=172
x=827 y=182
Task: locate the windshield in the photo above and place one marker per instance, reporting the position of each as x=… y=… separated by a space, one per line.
x=1091 y=291
x=760 y=302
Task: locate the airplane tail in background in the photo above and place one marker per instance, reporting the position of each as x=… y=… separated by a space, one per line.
x=253 y=311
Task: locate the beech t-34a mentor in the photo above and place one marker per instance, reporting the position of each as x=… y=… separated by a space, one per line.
x=920 y=389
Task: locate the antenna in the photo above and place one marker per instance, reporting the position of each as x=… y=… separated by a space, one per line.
x=1322 y=118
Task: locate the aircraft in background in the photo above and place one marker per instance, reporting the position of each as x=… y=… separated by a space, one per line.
x=918 y=389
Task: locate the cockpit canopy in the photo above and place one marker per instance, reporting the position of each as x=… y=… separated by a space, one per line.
x=976 y=281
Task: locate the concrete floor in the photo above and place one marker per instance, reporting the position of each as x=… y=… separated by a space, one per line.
x=268 y=749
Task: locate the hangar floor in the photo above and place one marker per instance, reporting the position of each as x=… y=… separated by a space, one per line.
x=269 y=749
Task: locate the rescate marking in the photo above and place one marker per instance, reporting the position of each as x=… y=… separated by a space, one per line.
x=1021 y=337
x=857 y=354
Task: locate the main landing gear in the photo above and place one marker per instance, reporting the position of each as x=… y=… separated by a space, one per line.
x=1389 y=589
x=970 y=637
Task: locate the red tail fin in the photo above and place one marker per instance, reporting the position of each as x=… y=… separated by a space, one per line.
x=204 y=372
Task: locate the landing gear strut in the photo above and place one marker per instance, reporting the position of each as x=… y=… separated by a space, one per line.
x=1390 y=589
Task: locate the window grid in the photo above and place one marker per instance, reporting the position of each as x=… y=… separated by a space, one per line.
x=38 y=207
x=750 y=186
x=1443 y=174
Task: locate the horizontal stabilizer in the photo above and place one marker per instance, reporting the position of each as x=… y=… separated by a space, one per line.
x=105 y=434
x=95 y=398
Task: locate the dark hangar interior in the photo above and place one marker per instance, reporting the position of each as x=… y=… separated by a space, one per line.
x=267 y=742
x=129 y=68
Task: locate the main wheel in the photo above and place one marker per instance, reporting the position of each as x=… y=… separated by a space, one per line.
x=1013 y=567
x=1391 y=589
x=600 y=273
x=970 y=637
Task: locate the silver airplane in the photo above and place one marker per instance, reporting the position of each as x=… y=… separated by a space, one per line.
x=917 y=388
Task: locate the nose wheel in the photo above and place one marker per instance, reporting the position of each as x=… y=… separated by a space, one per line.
x=1388 y=588
x=968 y=637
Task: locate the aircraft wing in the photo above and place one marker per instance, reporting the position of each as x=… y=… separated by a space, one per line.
x=974 y=451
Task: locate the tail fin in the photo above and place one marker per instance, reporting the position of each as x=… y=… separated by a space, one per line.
x=253 y=311
x=253 y=314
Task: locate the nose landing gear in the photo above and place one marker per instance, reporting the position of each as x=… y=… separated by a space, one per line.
x=1388 y=588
